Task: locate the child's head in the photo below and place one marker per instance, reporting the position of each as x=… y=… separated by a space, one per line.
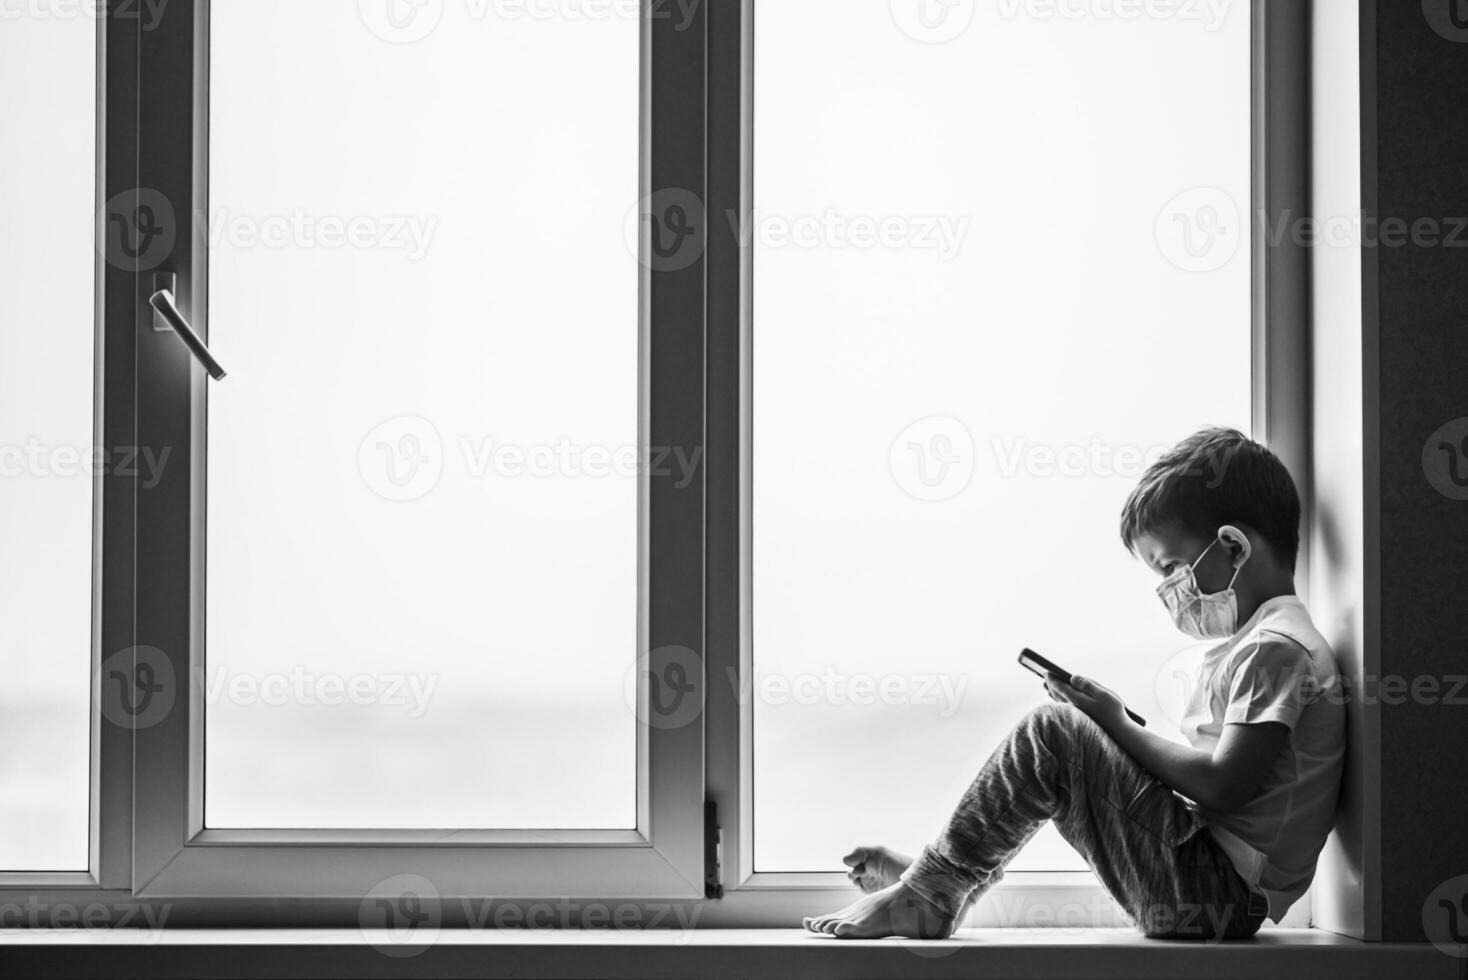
x=1224 y=507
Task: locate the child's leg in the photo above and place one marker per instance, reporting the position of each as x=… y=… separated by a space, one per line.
x=1151 y=852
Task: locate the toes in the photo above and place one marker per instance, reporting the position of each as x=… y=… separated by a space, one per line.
x=818 y=923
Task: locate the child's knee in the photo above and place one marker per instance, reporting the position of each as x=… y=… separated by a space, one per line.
x=1054 y=729
x=1057 y=723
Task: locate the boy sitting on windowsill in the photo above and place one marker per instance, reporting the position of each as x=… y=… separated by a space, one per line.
x=1202 y=841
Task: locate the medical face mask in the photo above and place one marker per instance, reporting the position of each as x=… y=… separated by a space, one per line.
x=1203 y=617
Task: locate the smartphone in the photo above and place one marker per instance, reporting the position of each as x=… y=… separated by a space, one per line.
x=1032 y=661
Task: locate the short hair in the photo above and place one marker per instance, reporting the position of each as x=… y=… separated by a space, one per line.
x=1214 y=477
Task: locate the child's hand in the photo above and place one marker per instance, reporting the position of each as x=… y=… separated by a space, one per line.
x=1100 y=703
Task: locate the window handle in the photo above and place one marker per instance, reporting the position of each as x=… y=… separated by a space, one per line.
x=169 y=317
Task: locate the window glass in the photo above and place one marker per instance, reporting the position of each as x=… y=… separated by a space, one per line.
x=1001 y=260
x=422 y=471
x=47 y=456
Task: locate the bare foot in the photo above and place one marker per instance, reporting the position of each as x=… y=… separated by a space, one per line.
x=896 y=910
x=873 y=868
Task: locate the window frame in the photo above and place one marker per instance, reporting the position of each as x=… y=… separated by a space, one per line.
x=175 y=855
x=1280 y=368
x=113 y=493
x=147 y=845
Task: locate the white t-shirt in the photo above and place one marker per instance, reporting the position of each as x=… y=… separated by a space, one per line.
x=1278 y=668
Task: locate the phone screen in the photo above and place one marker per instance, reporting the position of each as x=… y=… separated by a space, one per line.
x=1042 y=667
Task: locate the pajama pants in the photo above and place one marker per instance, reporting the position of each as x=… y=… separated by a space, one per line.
x=1154 y=855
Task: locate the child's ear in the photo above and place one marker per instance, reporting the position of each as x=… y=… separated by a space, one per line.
x=1237 y=543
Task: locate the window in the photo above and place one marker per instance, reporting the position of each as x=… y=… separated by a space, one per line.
x=997 y=266
x=49 y=456
x=434 y=491
x=417 y=560
x=599 y=442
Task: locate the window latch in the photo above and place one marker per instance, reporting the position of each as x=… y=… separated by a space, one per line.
x=713 y=852
x=167 y=317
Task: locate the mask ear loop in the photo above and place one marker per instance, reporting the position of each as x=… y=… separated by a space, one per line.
x=1243 y=559
x=1193 y=565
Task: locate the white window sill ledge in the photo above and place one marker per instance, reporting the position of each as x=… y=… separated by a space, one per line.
x=1287 y=954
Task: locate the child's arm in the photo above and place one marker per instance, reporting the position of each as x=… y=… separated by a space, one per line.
x=1223 y=782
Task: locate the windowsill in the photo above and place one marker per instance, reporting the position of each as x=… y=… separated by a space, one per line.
x=1296 y=954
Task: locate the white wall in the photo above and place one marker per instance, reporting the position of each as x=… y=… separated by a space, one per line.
x=1338 y=541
